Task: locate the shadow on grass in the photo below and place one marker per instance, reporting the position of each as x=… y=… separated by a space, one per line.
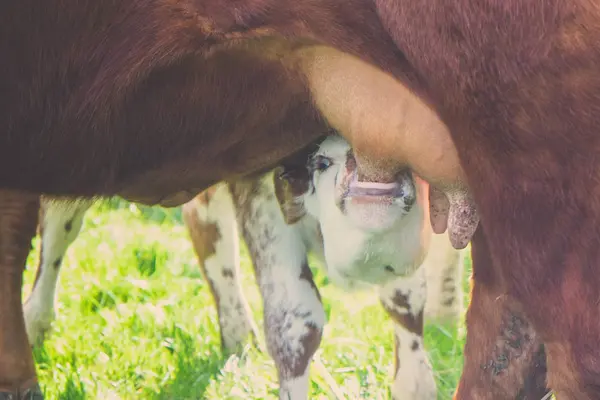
x=193 y=372
x=192 y=376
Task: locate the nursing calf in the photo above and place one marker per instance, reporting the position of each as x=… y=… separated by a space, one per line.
x=282 y=215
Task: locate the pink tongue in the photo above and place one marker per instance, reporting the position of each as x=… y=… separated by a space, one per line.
x=456 y=212
x=452 y=210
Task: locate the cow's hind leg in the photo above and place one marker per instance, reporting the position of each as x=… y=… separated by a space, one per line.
x=211 y=223
x=59 y=225
x=18 y=220
x=504 y=356
x=404 y=301
x=293 y=313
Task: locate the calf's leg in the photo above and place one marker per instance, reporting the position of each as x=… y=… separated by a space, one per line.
x=293 y=313
x=444 y=267
x=18 y=219
x=504 y=355
x=210 y=220
x=404 y=301
x=59 y=226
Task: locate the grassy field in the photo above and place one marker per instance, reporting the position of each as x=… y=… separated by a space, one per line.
x=136 y=321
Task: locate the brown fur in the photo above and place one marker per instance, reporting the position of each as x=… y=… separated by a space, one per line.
x=202 y=232
x=18 y=220
x=504 y=355
x=505 y=77
x=85 y=85
x=152 y=96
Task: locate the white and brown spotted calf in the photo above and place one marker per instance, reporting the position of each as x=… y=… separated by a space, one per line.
x=282 y=216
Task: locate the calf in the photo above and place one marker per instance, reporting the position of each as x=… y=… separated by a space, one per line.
x=282 y=216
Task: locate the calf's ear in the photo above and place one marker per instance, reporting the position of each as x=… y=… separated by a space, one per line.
x=291 y=183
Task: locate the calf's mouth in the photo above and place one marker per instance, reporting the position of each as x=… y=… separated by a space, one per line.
x=386 y=201
x=451 y=209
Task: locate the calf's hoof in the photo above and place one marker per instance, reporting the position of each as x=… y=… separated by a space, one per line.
x=32 y=393
x=38 y=326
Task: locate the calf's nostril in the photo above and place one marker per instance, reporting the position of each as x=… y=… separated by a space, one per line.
x=389 y=268
x=409 y=200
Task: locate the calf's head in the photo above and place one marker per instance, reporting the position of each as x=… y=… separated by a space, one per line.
x=391 y=128
x=369 y=237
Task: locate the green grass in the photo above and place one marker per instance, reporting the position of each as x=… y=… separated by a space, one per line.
x=136 y=321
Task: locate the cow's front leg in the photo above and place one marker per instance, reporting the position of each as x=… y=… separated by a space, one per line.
x=504 y=356
x=404 y=301
x=59 y=226
x=210 y=220
x=293 y=313
x=18 y=220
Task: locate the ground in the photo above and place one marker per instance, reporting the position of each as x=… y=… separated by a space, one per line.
x=136 y=321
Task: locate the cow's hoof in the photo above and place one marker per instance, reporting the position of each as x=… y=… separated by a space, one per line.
x=32 y=393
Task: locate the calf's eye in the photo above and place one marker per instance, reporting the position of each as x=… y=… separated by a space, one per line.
x=321 y=163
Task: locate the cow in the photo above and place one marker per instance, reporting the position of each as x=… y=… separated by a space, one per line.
x=281 y=214
x=155 y=101
x=508 y=90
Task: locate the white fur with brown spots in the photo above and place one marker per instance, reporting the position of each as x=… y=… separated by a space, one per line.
x=398 y=259
x=59 y=226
